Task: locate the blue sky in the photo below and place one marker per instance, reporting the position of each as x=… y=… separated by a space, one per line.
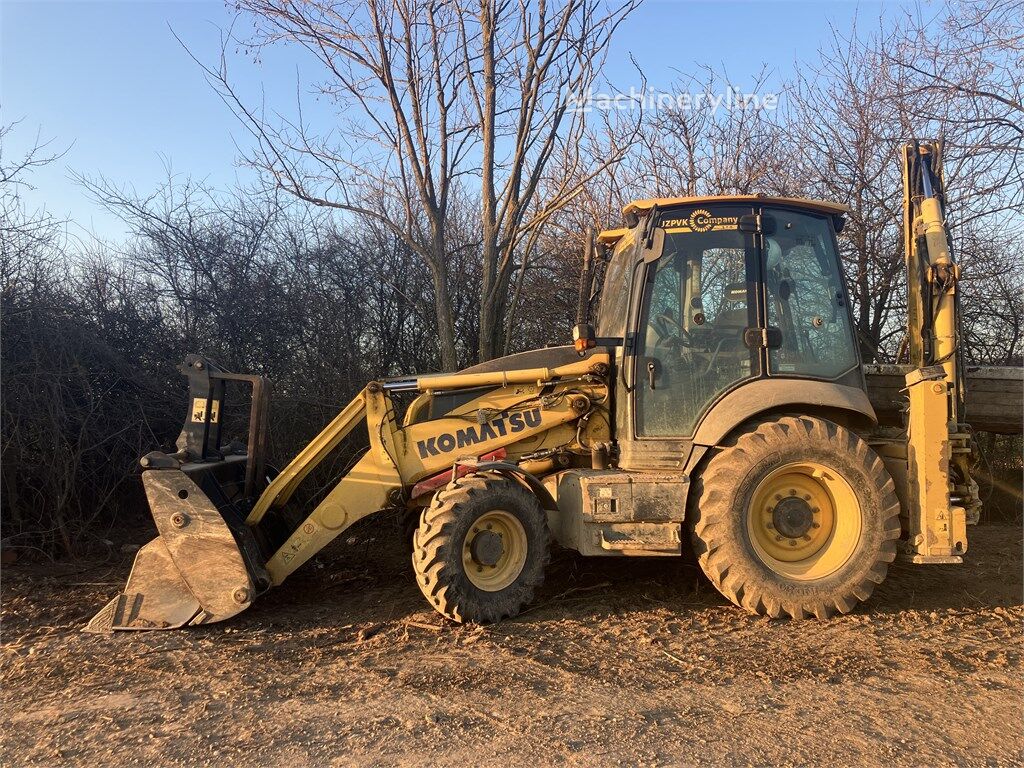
x=110 y=81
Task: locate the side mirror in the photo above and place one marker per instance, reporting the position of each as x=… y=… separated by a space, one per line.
x=653 y=248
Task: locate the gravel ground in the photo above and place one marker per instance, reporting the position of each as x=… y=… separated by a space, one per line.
x=618 y=662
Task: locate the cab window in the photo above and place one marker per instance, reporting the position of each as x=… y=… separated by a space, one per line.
x=805 y=298
x=611 y=313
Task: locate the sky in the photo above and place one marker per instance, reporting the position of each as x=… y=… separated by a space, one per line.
x=109 y=82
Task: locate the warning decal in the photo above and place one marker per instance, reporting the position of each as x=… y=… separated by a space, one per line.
x=199 y=410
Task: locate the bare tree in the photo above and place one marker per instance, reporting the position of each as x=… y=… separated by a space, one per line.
x=962 y=69
x=844 y=131
x=22 y=230
x=533 y=57
x=714 y=138
x=436 y=100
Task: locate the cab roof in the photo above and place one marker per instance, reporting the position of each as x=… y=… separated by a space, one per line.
x=643 y=207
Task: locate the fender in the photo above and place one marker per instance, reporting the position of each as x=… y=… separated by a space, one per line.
x=765 y=395
x=515 y=472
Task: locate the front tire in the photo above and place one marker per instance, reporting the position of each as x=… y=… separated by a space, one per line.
x=796 y=517
x=481 y=548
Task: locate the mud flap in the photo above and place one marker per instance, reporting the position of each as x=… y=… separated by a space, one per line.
x=192 y=574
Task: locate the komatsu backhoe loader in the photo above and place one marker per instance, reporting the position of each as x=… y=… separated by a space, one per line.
x=719 y=402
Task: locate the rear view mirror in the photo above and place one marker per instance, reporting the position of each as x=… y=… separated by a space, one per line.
x=752 y=223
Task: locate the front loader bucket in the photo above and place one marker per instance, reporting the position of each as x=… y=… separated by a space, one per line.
x=193 y=573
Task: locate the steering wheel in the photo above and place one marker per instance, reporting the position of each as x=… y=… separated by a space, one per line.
x=670 y=333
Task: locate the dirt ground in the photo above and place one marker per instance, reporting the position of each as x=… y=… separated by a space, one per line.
x=618 y=662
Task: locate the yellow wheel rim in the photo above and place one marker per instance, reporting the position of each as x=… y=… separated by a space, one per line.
x=804 y=521
x=494 y=550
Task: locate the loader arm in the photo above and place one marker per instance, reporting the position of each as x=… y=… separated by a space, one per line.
x=523 y=405
x=207 y=565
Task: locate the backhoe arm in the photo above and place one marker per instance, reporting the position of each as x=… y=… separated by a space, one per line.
x=941 y=496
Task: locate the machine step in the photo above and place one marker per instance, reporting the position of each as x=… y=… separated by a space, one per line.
x=639 y=538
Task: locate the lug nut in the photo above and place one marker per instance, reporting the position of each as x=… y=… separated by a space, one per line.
x=815 y=525
x=778 y=538
x=792 y=543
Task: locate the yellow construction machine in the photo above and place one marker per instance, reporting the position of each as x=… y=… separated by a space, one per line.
x=718 y=399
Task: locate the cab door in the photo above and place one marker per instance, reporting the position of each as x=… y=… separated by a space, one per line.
x=697 y=301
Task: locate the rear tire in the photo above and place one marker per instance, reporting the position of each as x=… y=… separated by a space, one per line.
x=481 y=548
x=796 y=517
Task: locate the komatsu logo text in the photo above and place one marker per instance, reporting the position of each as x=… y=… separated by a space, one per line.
x=479 y=433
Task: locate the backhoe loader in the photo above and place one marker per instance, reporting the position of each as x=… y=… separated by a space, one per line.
x=716 y=401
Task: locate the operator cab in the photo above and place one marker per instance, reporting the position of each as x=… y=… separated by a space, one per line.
x=708 y=295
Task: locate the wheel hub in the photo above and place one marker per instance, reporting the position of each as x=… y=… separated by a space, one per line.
x=803 y=520
x=792 y=517
x=486 y=548
x=494 y=550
